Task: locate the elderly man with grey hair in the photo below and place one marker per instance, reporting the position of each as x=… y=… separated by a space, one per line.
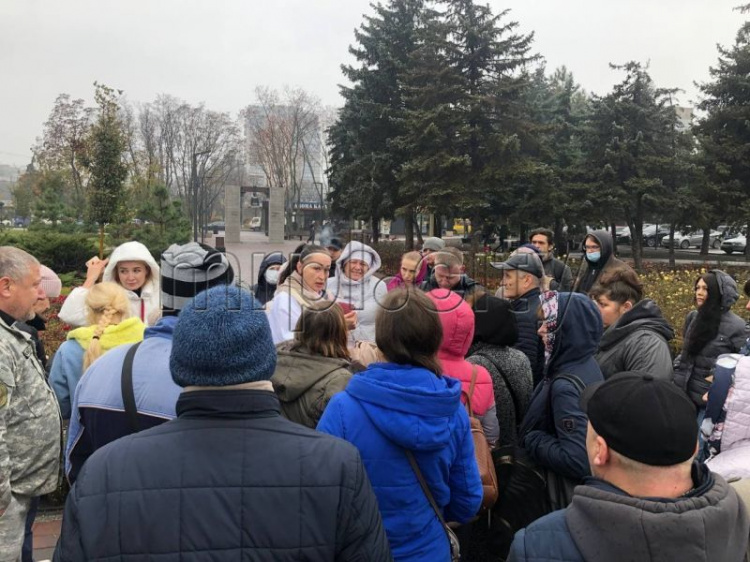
x=29 y=414
x=523 y=274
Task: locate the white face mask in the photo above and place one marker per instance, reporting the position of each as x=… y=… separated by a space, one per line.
x=271 y=276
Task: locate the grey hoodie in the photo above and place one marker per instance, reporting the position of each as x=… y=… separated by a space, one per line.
x=637 y=342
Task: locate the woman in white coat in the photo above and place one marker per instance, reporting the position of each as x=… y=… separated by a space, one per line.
x=133 y=268
x=356 y=288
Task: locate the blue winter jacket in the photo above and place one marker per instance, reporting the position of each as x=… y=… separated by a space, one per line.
x=66 y=371
x=98 y=414
x=554 y=428
x=390 y=408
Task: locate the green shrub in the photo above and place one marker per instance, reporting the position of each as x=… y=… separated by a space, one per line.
x=148 y=235
x=60 y=252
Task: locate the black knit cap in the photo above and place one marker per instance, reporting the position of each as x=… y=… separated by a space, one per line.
x=494 y=322
x=644 y=419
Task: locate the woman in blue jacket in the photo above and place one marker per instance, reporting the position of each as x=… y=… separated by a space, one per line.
x=407 y=404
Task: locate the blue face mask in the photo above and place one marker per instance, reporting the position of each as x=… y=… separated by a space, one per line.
x=594 y=256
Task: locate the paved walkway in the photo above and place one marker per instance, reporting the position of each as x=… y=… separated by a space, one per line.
x=46 y=533
x=246 y=256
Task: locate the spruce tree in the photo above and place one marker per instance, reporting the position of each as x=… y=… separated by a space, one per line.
x=364 y=158
x=724 y=132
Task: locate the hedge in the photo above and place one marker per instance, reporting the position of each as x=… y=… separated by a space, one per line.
x=60 y=252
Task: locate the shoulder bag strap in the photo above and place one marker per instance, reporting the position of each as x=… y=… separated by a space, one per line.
x=425 y=488
x=128 y=394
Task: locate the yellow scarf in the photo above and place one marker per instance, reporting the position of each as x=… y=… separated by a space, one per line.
x=127 y=331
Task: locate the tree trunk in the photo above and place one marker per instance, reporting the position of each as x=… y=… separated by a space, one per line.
x=747 y=246
x=613 y=233
x=672 y=228
x=705 y=241
x=636 y=243
x=409 y=228
x=375 y=238
x=560 y=243
x=420 y=240
x=101 y=241
x=522 y=230
x=476 y=233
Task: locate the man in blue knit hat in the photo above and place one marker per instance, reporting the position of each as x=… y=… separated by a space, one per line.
x=229 y=478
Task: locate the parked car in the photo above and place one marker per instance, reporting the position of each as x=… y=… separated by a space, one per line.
x=255 y=223
x=693 y=239
x=736 y=244
x=622 y=235
x=215 y=227
x=653 y=234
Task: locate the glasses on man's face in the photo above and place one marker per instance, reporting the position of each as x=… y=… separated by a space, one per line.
x=592 y=248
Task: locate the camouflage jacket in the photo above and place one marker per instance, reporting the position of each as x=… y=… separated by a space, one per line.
x=30 y=421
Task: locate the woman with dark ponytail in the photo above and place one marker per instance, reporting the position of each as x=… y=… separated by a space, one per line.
x=710 y=330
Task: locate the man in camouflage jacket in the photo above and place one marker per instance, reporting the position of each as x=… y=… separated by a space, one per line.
x=29 y=414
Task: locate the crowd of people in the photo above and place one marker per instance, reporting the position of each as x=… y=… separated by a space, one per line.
x=334 y=412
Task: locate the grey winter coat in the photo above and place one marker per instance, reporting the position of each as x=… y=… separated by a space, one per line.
x=690 y=373
x=637 y=342
x=511 y=382
x=605 y=523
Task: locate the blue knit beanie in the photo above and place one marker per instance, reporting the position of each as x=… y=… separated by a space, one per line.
x=222 y=338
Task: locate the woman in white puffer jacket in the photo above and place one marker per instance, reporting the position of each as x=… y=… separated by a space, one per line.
x=356 y=288
x=729 y=436
x=130 y=266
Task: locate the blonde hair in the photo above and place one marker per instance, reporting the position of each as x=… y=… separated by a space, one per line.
x=106 y=304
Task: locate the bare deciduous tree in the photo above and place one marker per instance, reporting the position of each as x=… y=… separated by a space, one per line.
x=281 y=133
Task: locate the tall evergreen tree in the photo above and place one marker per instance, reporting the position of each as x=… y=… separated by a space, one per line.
x=630 y=137
x=555 y=177
x=364 y=159
x=104 y=160
x=724 y=132
x=433 y=170
x=491 y=58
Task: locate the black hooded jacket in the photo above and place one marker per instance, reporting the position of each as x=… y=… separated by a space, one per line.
x=637 y=342
x=690 y=373
x=264 y=291
x=590 y=271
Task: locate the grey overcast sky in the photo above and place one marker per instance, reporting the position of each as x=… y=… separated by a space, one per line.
x=217 y=52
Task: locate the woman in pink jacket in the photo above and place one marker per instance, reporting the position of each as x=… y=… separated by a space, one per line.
x=457 y=320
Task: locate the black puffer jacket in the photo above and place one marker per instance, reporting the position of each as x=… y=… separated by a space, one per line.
x=228 y=479
x=637 y=342
x=690 y=372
